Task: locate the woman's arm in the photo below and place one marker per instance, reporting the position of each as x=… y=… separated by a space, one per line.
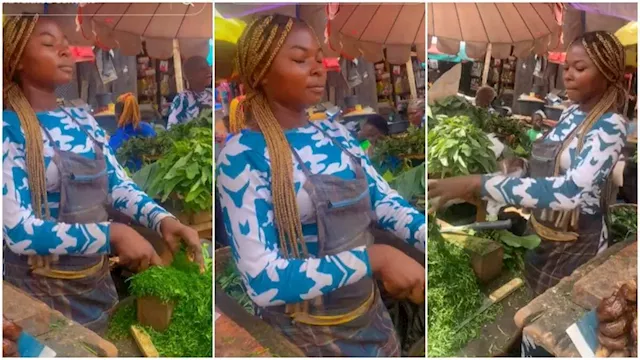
x=602 y=147
x=245 y=196
x=23 y=232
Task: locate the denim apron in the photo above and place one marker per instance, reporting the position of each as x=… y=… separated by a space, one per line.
x=78 y=286
x=352 y=320
x=568 y=240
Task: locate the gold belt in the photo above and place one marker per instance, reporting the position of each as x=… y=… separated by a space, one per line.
x=46 y=271
x=552 y=234
x=332 y=320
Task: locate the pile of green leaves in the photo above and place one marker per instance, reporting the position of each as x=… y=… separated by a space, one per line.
x=410 y=143
x=410 y=184
x=624 y=223
x=185 y=171
x=231 y=282
x=453 y=295
x=458 y=147
x=191 y=328
x=514 y=246
x=149 y=149
x=507 y=130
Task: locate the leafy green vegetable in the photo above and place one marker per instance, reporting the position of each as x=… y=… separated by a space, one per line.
x=624 y=222
x=453 y=295
x=411 y=183
x=514 y=246
x=190 y=331
x=231 y=282
x=410 y=143
x=458 y=147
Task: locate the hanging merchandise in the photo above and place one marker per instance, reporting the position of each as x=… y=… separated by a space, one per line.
x=331 y=64
x=353 y=76
x=106 y=69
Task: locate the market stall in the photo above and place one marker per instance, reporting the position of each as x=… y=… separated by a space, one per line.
x=485 y=245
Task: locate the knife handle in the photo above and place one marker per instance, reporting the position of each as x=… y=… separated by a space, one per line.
x=505 y=290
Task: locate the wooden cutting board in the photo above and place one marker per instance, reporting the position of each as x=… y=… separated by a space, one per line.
x=604 y=280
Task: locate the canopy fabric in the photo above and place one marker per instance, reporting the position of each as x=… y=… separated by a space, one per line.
x=228 y=30
x=126 y=25
x=359 y=29
x=627 y=11
x=82 y=54
x=528 y=27
x=434 y=54
x=628 y=34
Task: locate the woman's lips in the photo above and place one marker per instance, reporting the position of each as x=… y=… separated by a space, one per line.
x=316 y=89
x=66 y=68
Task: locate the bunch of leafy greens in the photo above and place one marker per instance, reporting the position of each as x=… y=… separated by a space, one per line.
x=453 y=296
x=186 y=171
x=624 y=222
x=410 y=143
x=190 y=331
x=514 y=246
x=410 y=185
x=149 y=149
x=230 y=281
x=507 y=130
x=458 y=147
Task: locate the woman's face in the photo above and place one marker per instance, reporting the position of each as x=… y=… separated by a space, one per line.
x=582 y=79
x=46 y=60
x=369 y=132
x=297 y=77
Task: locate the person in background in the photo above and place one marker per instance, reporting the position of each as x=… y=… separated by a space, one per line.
x=569 y=183
x=484 y=97
x=300 y=199
x=129 y=125
x=374 y=128
x=187 y=105
x=60 y=176
x=535 y=132
x=416 y=112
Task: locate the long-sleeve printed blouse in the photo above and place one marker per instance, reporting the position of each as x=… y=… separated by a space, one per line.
x=581 y=174
x=244 y=184
x=23 y=232
x=186 y=106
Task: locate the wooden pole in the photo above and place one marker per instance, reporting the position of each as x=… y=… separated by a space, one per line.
x=487 y=65
x=412 y=79
x=177 y=66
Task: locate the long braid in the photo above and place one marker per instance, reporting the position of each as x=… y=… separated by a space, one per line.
x=257 y=47
x=17 y=31
x=130 y=111
x=607 y=54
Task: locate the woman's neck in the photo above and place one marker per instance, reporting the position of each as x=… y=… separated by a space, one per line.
x=289 y=118
x=40 y=99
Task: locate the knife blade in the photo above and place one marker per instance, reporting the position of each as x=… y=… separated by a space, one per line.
x=490 y=225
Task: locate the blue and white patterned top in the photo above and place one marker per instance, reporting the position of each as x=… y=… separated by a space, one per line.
x=244 y=183
x=23 y=232
x=184 y=107
x=581 y=175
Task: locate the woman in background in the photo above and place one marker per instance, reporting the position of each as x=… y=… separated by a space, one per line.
x=129 y=125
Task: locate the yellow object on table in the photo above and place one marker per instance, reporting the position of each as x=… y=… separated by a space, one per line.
x=144 y=342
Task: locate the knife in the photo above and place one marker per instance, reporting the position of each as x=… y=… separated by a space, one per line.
x=491 y=225
x=495 y=297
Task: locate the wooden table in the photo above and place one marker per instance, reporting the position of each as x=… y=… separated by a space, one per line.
x=64 y=336
x=240 y=334
x=547 y=317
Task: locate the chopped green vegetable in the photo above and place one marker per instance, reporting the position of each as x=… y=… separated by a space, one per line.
x=231 y=282
x=453 y=295
x=624 y=222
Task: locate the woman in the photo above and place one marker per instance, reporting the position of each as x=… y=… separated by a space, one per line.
x=299 y=199
x=374 y=129
x=129 y=125
x=484 y=97
x=59 y=177
x=570 y=167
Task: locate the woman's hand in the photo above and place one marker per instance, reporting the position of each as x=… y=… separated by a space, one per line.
x=402 y=277
x=173 y=232
x=133 y=250
x=462 y=187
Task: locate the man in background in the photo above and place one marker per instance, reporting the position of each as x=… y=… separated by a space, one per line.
x=187 y=105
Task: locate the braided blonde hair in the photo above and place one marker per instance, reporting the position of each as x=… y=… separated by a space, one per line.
x=17 y=32
x=257 y=47
x=130 y=110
